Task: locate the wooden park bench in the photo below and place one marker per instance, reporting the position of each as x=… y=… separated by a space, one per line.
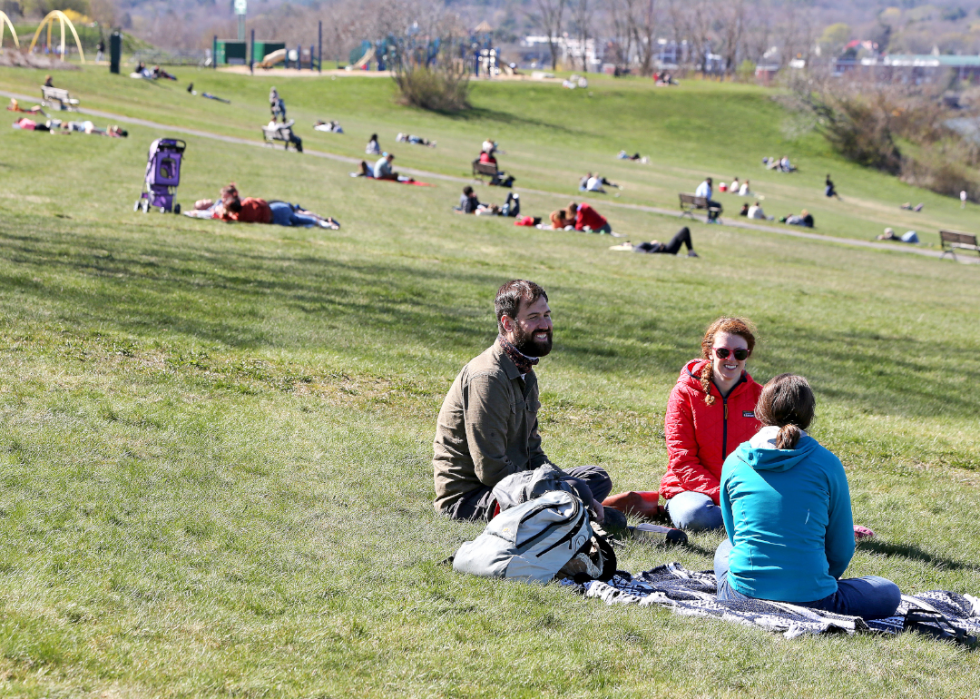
x=484 y=169
x=691 y=203
x=50 y=95
x=951 y=242
x=282 y=133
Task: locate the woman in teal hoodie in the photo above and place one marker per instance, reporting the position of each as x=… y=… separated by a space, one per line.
x=787 y=511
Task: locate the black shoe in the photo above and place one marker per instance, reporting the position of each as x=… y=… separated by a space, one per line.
x=614 y=521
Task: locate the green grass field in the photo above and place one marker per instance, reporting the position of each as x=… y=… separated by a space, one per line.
x=215 y=440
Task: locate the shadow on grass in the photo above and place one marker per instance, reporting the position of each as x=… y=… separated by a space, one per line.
x=250 y=295
x=510 y=119
x=914 y=553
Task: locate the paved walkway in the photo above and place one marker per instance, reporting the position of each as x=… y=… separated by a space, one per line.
x=868 y=244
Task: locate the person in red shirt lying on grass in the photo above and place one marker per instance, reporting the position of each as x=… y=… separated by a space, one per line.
x=588 y=219
x=280 y=213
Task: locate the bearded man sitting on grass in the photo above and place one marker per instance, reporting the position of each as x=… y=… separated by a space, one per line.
x=488 y=424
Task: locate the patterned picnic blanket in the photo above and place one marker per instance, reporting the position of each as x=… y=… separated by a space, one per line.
x=692 y=593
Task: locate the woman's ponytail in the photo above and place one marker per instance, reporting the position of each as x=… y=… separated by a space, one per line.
x=788 y=437
x=787 y=402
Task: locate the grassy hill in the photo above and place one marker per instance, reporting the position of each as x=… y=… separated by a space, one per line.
x=215 y=440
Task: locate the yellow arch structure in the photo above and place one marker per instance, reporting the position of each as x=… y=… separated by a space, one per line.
x=49 y=22
x=5 y=22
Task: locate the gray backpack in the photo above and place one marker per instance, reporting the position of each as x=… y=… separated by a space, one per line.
x=537 y=540
x=520 y=487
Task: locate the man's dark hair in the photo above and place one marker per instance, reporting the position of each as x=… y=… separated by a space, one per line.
x=510 y=296
x=467 y=190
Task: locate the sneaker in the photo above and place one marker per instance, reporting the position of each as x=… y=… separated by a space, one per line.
x=614 y=521
x=691 y=253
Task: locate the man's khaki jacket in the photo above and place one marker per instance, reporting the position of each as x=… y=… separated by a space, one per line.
x=487 y=429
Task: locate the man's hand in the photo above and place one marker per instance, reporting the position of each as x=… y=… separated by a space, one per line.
x=600 y=514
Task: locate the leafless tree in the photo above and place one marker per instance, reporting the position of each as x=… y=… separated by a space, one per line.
x=550 y=18
x=642 y=19
x=583 y=14
x=622 y=31
x=731 y=15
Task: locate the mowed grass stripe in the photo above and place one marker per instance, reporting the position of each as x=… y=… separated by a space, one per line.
x=216 y=439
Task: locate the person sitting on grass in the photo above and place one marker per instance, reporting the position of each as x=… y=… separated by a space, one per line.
x=786 y=506
x=383 y=171
x=481 y=437
x=709 y=413
x=829 y=189
x=372 y=147
x=744 y=210
x=595 y=183
x=755 y=211
x=804 y=219
x=587 y=219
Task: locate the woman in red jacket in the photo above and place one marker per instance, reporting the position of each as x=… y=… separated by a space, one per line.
x=710 y=412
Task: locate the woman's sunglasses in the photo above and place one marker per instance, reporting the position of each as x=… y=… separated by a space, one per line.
x=723 y=352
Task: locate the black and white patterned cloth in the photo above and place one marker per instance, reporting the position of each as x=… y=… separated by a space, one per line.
x=693 y=593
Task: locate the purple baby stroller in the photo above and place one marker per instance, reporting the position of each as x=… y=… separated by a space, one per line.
x=162 y=176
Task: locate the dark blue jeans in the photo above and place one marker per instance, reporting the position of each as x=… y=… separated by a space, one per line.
x=284 y=214
x=869 y=597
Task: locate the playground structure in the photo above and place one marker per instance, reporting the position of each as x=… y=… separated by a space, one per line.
x=48 y=22
x=4 y=23
x=384 y=53
x=267 y=54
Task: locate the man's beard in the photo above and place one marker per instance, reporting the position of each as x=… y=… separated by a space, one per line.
x=528 y=346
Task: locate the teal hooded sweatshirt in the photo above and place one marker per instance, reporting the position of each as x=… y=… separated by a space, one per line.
x=788 y=516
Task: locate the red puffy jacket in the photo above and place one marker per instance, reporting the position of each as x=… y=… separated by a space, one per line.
x=701 y=436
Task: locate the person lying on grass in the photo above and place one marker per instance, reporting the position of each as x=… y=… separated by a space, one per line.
x=488 y=425
x=787 y=512
x=254 y=210
x=805 y=219
x=328 y=126
x=683 y=237
x=560 y=221
x=587 y=219
x=595 y=183
x=14 y=106
x=414 y=140
x=469 y=204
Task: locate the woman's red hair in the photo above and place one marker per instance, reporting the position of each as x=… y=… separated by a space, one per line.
x=742 y=327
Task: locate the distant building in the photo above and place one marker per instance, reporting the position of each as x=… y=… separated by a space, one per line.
x=535 y=50
x=916 y=69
